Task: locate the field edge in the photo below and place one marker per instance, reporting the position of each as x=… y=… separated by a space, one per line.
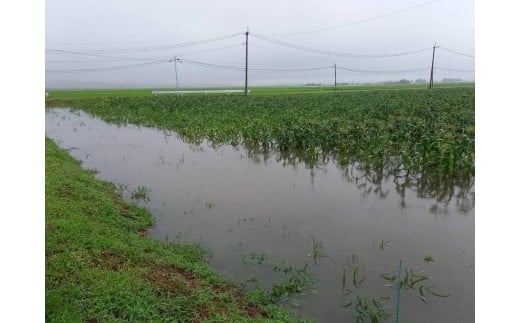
x=101 y=266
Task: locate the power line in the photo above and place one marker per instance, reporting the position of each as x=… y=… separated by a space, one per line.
x=360 y=21
x=107 y=68
x=161 y=47
x=383 y=71
x=332 y=53
x=236 y=68
x=72 y=62
x=258 y=69
x=455 y=52
x=224 y=67
x=71 y=52
x=291 y=69
x=171 y=46
x=213 y=49
x=454 y=70
x=83 y=53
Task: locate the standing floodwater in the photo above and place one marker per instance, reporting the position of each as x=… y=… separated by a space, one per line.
x=259 y=213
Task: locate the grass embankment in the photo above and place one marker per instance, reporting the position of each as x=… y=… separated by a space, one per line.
x=101 y=268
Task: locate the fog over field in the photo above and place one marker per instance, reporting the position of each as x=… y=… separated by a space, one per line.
x=132 y=44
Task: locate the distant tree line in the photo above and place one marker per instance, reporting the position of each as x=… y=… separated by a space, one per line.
x=401 y=81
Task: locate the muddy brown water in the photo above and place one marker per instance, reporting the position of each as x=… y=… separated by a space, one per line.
x=255 y=212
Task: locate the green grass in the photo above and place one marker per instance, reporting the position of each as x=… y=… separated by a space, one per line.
x=100 y=266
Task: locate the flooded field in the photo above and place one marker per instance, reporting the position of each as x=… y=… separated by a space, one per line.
x=264 y=217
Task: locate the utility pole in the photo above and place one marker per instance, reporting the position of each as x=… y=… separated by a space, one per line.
x=175 y=59
x=431 y=72
x=247 y=38
x=335 y=76
x=176 y=80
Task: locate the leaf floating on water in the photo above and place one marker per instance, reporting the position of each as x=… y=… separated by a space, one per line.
x=437 y=294
x=387 y=277
x=418 y=280
x=355 y=280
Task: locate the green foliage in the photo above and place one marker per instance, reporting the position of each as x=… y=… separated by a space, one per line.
x=417 y=133
x=99 y=268
x=376 y=310
x=141 y=193
x=352 y=266
x=371 y=310
x=294 y=281
x=428 y=259
x=264 y=90
x=256 y=258
x=317 y=249
x=416 y=282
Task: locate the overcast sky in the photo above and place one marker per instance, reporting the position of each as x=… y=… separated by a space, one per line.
x=129 y=43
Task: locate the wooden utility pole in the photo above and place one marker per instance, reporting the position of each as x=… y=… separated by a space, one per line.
x=247 y=38
x=431 y=72
x=335 y=76
x=176 y=80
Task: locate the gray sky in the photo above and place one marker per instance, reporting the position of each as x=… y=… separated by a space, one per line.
x=84 y=35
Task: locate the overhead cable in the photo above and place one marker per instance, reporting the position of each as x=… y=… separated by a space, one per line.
x=232 y=68
x=213 y=49
x=382 y=72
x=455 y=52
x=236 y=68
x=291 y=69
x=163 y=47
x=454 y=70
x=107 y=68
x=359 y=21
x=84 y=53
x=75 y=62
x=333 y=53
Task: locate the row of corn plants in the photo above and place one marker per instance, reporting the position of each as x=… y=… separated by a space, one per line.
x=425 y=133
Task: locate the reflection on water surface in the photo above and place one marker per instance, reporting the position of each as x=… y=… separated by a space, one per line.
x=258 y=211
